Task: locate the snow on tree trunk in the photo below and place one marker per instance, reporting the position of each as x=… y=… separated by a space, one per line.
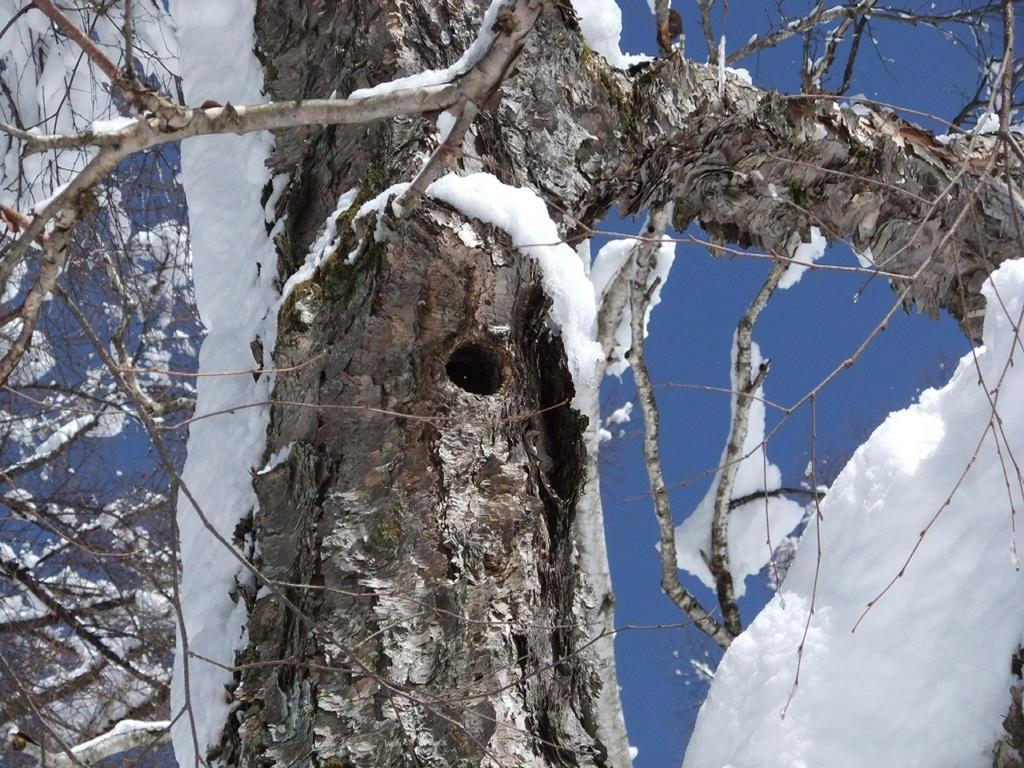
x=446 y=626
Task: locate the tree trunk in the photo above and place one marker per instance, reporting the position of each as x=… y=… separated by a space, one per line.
x=447 y=628
x=448 y=617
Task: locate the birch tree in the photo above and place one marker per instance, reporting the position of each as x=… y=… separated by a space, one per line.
x=388 y=526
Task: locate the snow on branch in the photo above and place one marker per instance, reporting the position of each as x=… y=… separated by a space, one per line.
x=746 y=384
x=613 y=273
x=523 y=215
x=127 y=734
x=502 y=37
x=731 y=533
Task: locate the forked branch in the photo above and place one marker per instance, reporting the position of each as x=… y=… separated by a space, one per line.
x=645 y=255
x=746 y=385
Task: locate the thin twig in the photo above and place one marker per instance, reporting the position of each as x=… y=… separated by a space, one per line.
x=818 y=520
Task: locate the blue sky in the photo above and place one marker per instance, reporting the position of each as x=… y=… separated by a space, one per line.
x=806 y=331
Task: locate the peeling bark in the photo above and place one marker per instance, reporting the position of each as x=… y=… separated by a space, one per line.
x=463 y=629
x=1009 y=750
x=927 y=210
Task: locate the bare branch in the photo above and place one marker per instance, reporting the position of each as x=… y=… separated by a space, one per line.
x=701 y=617
x=816 y=70
x=98 y=57
x=822 y=15
x=747 y=387
x=858 y=34
x=55 y=247
x=17 y=737
x=136 y=94
x=148 y=132
x=16 y=572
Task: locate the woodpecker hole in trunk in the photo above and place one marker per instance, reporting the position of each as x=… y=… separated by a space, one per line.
x=475 y=368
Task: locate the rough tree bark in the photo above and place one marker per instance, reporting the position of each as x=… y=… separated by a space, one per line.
x=448 y=617
x=452 y=626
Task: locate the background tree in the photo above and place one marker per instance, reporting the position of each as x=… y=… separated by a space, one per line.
x=86 y=559
x=419 y=563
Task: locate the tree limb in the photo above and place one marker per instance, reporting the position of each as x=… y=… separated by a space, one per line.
x=127 y=734
x=746 y=387
x=701 y=617
x=16 y=572
x=55 y=249
x=768 y=166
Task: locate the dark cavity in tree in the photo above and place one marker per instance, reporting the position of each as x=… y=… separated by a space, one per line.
x=475 y=368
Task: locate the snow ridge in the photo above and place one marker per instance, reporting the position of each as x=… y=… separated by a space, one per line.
x=924 y=680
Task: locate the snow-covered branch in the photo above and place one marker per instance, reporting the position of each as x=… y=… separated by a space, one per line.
x=169 y=123
x=513 y=23
x=126 y=735
x=182 y=123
